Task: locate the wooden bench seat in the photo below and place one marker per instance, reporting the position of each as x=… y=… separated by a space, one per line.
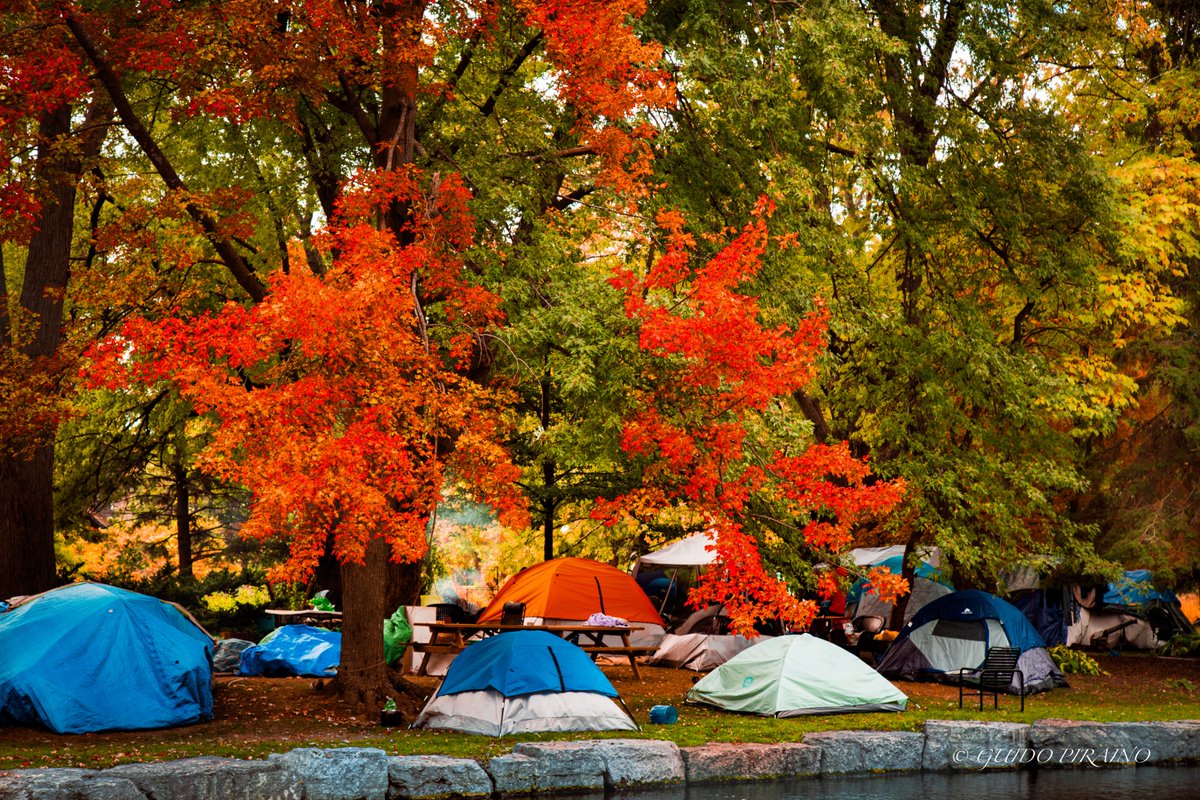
x=633 y=651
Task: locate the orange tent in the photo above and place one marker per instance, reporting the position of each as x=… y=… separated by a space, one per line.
x=573 y=589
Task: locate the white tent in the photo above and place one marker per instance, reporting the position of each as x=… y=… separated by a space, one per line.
x=490 y=713
x=865 y=556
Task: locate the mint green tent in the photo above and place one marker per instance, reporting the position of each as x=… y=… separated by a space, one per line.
x=789 y=676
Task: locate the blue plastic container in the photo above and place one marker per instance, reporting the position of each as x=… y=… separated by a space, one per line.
x=663 y=715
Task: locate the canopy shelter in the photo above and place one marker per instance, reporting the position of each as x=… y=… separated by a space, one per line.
x=955 y=632
x=690 y=555
x=524 y=682
x=88 y=657
x=570 y=590
x=790 y=676
x=690 y=552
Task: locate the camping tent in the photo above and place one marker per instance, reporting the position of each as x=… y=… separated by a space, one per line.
x=524 y=682
x=790 y=676
x=89 y=657
x=569 y=590
x=928 y=585
x=294 y=650
x=699 y=651
x=954 y=632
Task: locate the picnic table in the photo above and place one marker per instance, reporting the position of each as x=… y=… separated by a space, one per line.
x=453 y=637
x=305 y=616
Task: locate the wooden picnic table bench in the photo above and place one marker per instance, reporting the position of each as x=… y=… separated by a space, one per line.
x=454 y=637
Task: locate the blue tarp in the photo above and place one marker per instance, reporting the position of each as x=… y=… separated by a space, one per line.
x=294 y=650
x=1136 y=588
x=89 y=657
x=525 y=662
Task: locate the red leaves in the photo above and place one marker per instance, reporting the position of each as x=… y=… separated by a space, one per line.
x=702 y=429
x=334 y=397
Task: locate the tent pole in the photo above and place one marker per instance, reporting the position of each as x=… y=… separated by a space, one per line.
x=667 y=594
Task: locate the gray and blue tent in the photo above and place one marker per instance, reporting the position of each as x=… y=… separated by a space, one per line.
x=524 y=682
x=87 y=657
x=955 y=632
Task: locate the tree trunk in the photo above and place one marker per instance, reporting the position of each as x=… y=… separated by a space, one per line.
x=362 y=678
x=909 y=574
x=369 y=589
x=183 y=527
x=27 y=467
x=27 y=523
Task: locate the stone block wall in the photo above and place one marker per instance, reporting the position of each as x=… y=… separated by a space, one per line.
x=550 y=769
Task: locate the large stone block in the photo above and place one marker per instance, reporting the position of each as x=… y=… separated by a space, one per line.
x=868 y=751
x=626 y=762
x=344 y=773
x=739 y=762
x=412 y=777
x=65 y=784
x=210 y=778
x=572 y=771
x=1067 y=743
x=970 y=745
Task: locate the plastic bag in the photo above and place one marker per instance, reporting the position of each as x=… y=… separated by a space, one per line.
x=397 y=633
x=321 y=602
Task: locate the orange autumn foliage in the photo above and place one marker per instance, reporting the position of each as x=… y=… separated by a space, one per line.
x=699 y=430
x=335 y=403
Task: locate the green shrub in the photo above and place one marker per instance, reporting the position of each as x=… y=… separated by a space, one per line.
x=1184 y=644
x=1073 y=662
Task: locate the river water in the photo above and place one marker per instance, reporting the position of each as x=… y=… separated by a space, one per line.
x=1141 y=783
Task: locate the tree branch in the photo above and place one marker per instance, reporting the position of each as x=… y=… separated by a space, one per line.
x=233 y=260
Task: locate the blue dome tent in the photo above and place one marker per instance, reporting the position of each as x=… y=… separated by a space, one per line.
x=954 y=632
x=524 y=682
x=87 y=657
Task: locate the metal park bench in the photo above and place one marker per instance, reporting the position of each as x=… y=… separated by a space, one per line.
x=997 y=673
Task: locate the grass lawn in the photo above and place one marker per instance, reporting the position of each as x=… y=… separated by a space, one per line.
x=257 y=716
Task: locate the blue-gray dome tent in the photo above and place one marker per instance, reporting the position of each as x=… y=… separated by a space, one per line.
x=955 y=632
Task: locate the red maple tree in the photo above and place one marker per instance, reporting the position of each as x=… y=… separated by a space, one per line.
x=698 y=424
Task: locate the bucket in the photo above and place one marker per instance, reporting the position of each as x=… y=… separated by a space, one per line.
x=663 y=715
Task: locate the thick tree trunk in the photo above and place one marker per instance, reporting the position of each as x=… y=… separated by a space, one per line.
x=27 y=523
x=371 y=591
x=909 y=574
x=27 y=467
x=362 y=677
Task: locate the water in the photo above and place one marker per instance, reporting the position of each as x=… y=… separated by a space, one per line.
x=1142 y=783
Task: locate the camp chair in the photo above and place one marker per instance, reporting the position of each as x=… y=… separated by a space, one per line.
x=995 y=676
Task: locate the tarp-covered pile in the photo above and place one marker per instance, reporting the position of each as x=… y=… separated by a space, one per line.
x=294 y=650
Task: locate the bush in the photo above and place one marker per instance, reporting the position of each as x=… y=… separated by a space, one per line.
x=1073 y=662
x=1183 y=644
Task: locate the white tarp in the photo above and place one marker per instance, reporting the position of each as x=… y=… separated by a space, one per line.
x=491 y=714
x=688 y=552
x=865 y=556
